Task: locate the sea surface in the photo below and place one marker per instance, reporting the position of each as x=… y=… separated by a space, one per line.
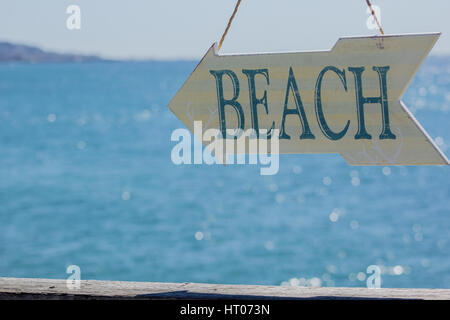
x=86 y=179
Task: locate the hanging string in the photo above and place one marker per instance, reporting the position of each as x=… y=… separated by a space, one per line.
x=375 y=16
x=229 y=24
x=239 y=2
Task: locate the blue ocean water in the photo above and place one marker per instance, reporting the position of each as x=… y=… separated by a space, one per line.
x=86 y=178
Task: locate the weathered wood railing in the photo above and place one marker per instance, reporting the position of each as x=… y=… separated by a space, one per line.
x=23 y=288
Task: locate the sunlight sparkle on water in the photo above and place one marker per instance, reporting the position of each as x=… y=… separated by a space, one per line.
x=199 y=235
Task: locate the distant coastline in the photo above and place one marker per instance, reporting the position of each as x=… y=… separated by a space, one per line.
x=10 y=52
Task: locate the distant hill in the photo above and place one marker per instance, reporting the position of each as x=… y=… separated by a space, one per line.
x=10 y=52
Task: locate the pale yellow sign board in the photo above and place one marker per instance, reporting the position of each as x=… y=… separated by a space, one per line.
x=345 y=100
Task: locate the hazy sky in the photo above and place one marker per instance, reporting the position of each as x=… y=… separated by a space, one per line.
x=171 y=29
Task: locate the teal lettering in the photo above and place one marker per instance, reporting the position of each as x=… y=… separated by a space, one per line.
x=318 y=102
x=222 y=102
x=254 y=102
x=382 y=100
x=299 y=110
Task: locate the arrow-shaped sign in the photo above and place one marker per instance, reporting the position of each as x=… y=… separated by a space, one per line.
x=346 y=100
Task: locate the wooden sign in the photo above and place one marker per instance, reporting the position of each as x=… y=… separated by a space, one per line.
x=345 y=100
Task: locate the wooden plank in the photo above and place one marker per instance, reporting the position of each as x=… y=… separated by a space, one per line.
x=20 y=288
x=312 y=110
